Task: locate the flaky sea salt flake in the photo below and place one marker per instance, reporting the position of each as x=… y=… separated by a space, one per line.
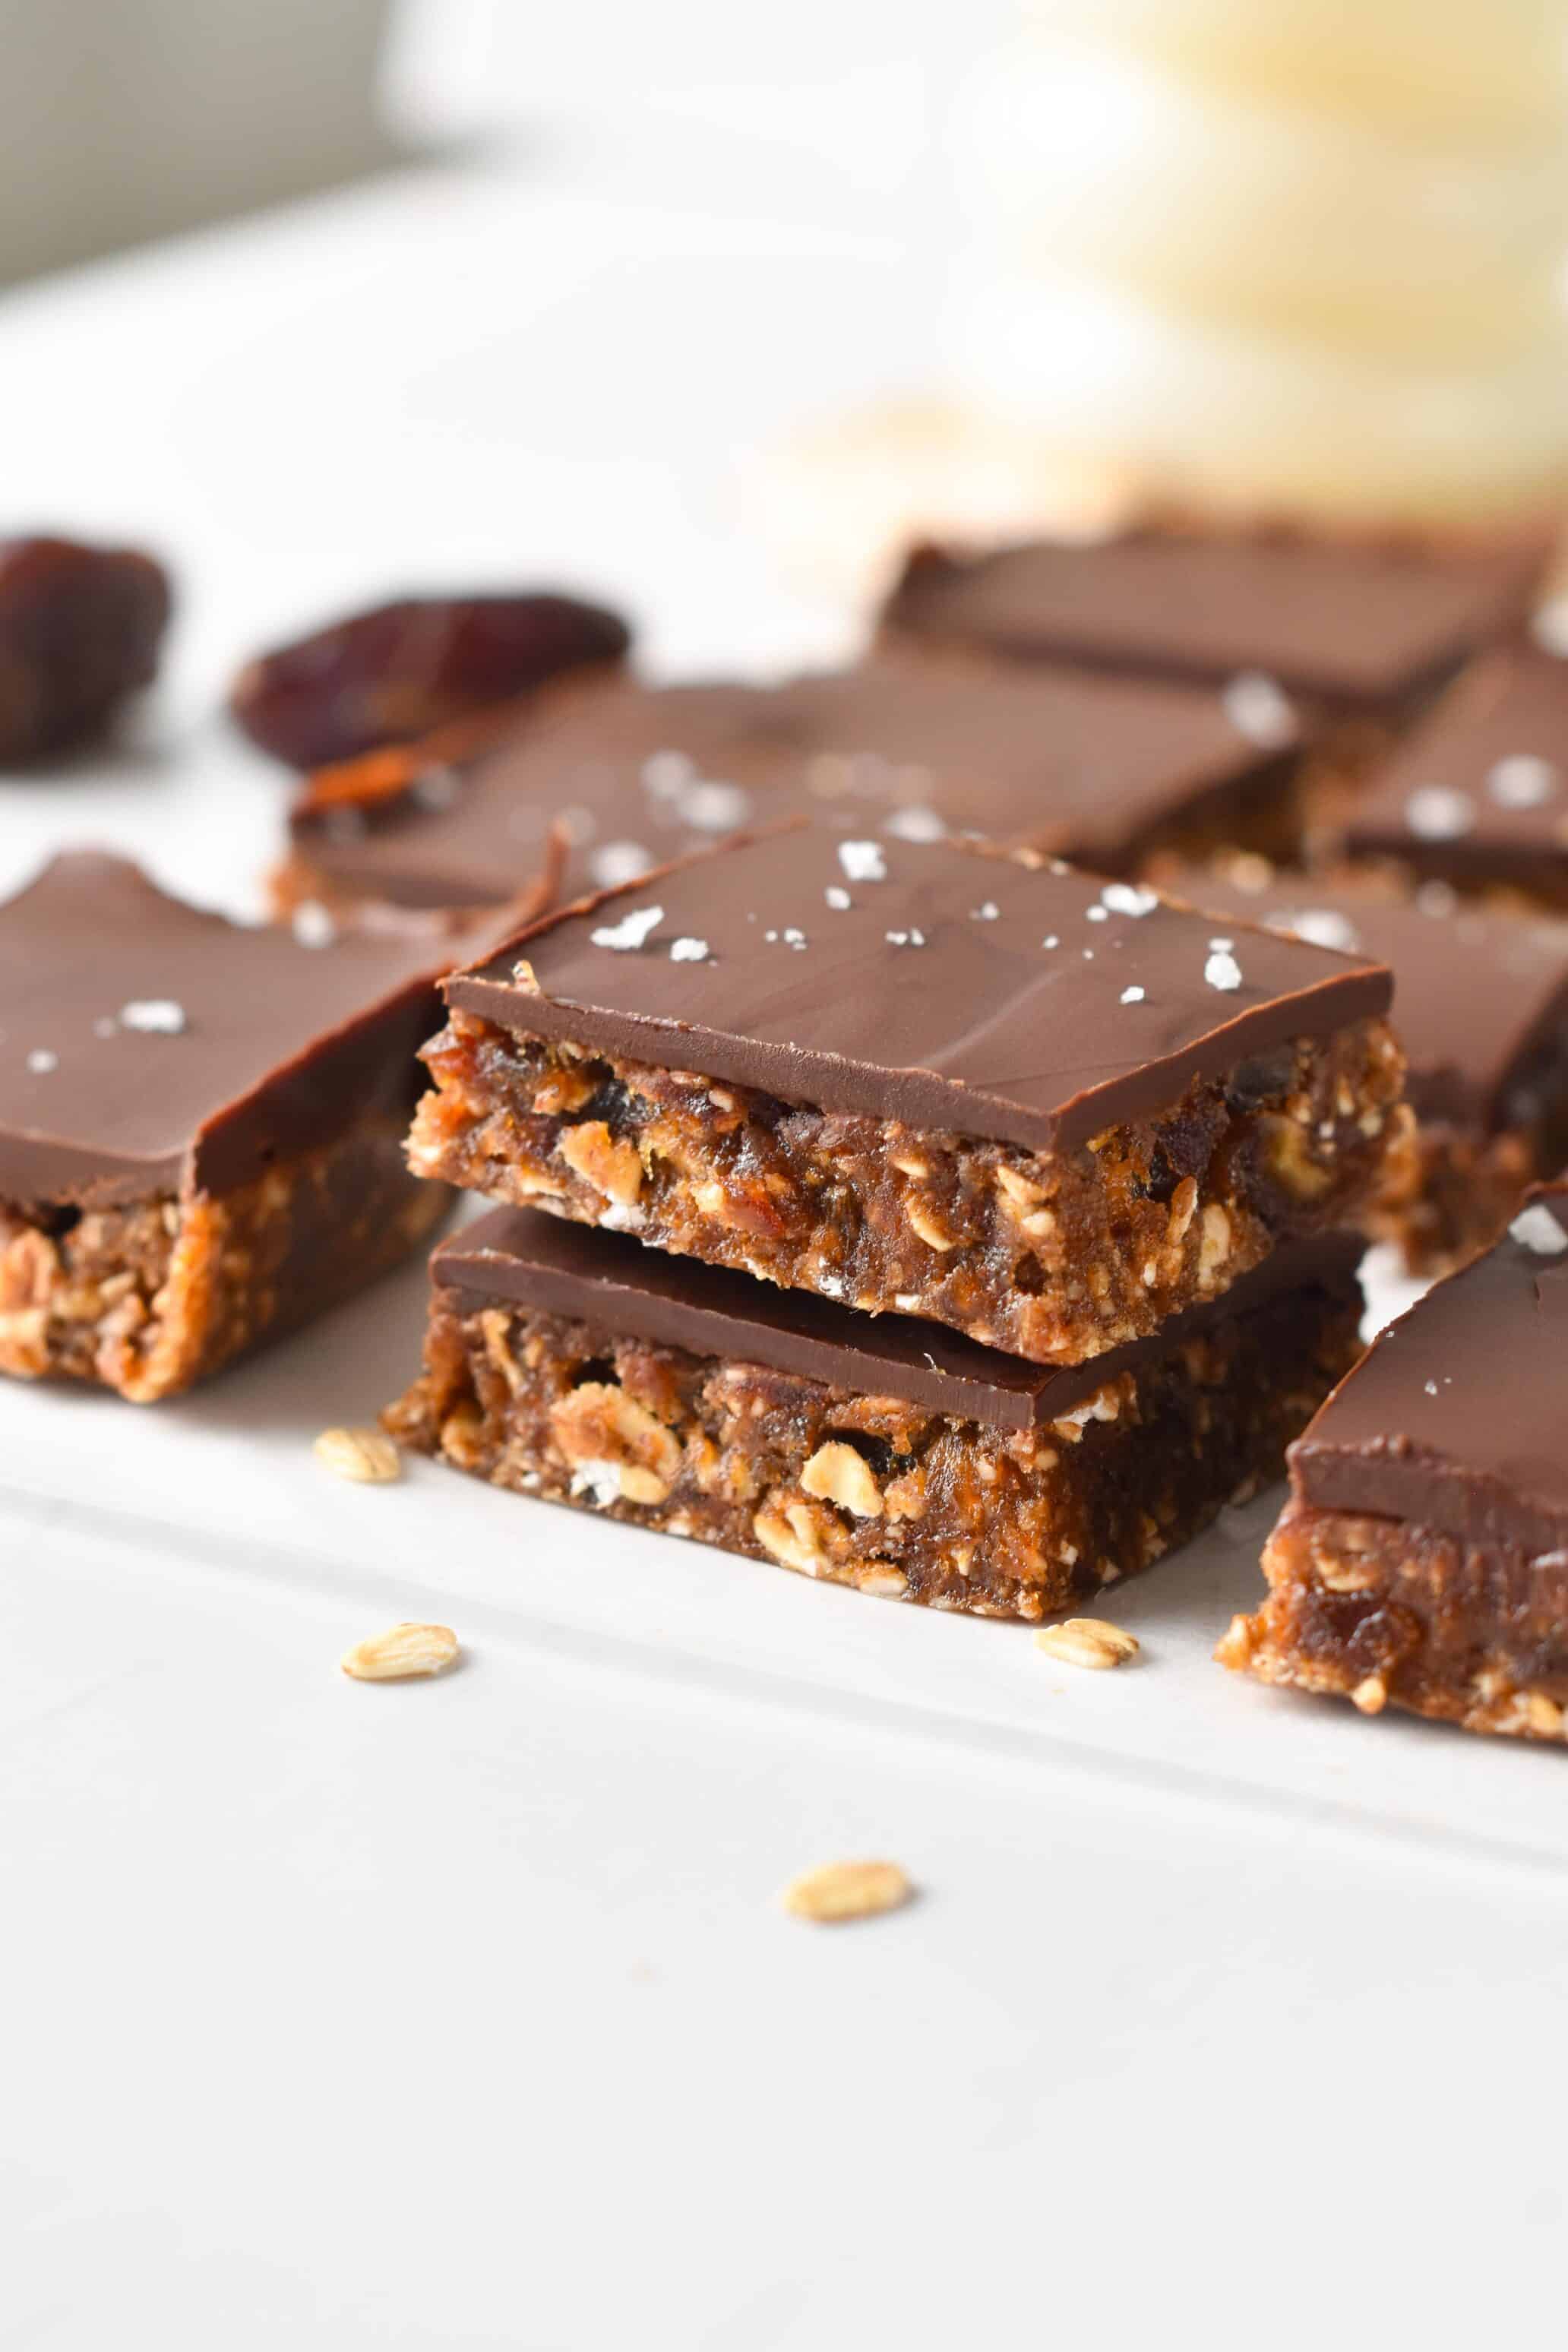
x=155 y=1016
x=630 y=932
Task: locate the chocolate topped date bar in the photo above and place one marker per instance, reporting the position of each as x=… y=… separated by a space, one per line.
x=888 y=1455
x=1046 y=1109
x=1478 y=795
x=1422 y=1560
x=629 y=776
x=200 y=1127
x=1351 y=626
x=1480 y=1007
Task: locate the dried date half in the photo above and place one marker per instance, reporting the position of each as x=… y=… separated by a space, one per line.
x=79 y=630
x=408 y=668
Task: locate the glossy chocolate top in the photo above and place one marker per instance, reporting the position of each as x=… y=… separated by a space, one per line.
x=913 y=748
x=929 y=983
x=145 y=1045
x=611 y=1281
x=1480 y=790
x=1354 y=624
x=1457 y=1418
x=1474 y=993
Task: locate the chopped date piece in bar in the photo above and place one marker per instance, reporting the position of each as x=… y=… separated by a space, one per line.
x=80 y=629
x=1046 y=1109
x=633 y=775
x=890 y=1454
x=1478 y=795
x=1480 y=1007
x=201 y=1127
x=1351 y=627
x=406 y=669
x=1422 y=1560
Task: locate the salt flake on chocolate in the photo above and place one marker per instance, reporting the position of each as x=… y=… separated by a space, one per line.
x=313 y=926
x=916 y=824
x=688 y=951
x=1132 y=996
x=1258 y=709
x=713 y=807
x=155 y=1016
x=863 y=861
x=1538 y=1231
x=1523 y=780
x=1325 y=926
x=40 y=1061
x=615 y=863
x=630 y=932
x=1436 y=813
x=838 y=899
x=987 y=912
x=1127 y=898
x=1222 y=969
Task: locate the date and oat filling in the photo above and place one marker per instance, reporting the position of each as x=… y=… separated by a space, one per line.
x=1422 y=1560
x=1053 y=1256
x=148 y=1298
x=986 y=1486
x=1373 y=1610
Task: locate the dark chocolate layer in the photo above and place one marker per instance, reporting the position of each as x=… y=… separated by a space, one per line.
x=1481 y=791
x=144 y=1042
x=1348 y=623
x=517 y=1255
x=1457 y=1418
x=1083 y=767
x=928 y=983
x=1474 y=992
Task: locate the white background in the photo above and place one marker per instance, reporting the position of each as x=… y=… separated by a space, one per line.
x=461 y=2015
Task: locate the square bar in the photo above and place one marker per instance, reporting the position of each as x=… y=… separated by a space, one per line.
x=1045 y=1110
x=200 y=1127
x=635 y=775
x=886 y=1454
x=1478 y=795
x=1422 y=1560
x=1357 y=628
x=1480 y=1007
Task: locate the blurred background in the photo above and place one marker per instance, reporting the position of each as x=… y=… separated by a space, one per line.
x=124 y=120
x=1307 y=255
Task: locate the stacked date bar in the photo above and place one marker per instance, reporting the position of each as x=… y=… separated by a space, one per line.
x=1014 y=1198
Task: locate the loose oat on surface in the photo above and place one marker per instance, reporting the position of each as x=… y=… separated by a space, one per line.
x=836 y=1891
x=1088 y=1642
x=368 y=1457
x=401 y=1653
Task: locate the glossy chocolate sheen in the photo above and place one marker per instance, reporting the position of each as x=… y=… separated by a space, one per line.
x=1351 y=624
x=1474 y=992
x=1457 y=1418
x=609 y=1280
x=641 y=774
x=931 y=984
x=145 y=1045
x=1480 y=790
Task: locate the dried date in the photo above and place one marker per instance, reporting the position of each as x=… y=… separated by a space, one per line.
x=79 y=630
x=409 y=669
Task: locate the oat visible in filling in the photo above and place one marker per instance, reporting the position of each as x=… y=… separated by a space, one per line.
x=1387 y=1615
x=874 y=1491
x=148 y=1298
x=1054 y=1255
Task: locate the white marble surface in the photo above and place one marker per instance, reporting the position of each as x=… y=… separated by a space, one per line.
x=459 y=2016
